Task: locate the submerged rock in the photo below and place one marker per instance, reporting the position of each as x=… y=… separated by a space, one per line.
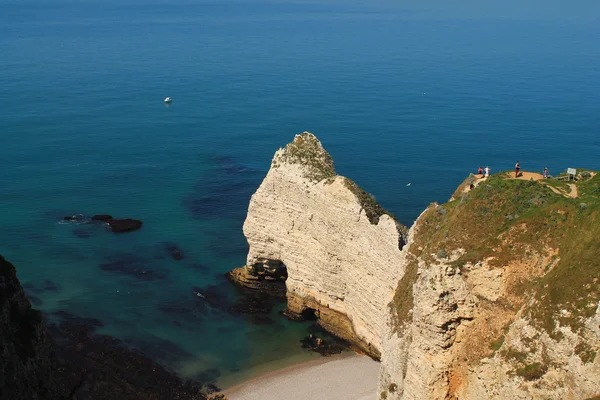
x=252 y=304
x=174 y=251
x=131 y=265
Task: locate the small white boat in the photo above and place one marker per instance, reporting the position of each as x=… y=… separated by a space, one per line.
x=168 y=99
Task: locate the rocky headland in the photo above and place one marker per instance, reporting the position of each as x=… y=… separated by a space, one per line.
x=492 y=295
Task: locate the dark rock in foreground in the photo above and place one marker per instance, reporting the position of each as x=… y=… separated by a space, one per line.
x=80 y=364
x=101 y=367
x=124 y=225
x=27 y=360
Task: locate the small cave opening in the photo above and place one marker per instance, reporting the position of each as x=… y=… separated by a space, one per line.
x=270 y=269
x=309 y=314
x=280 y=271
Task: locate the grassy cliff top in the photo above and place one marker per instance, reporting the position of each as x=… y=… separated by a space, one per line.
x=506 y=220
x=308 y=151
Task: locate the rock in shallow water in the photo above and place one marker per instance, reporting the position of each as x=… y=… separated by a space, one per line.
x=324 y=347
x=174 y=251
x=124 y=225
x=77 y=217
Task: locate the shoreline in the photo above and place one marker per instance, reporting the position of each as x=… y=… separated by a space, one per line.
x=347 y=377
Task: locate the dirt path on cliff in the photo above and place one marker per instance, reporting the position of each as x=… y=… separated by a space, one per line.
x=527 y=176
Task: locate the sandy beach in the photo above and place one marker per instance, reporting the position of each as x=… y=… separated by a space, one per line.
x=350 y=378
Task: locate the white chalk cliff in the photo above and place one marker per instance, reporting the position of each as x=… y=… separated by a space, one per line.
x=471 y=303
x=341 y=262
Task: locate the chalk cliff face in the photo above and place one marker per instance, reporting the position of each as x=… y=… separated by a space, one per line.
x=493 y=295
x=499 y=300
x=340 y=250
x=27 y=361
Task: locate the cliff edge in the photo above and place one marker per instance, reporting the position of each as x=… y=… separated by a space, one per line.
x=339 y=252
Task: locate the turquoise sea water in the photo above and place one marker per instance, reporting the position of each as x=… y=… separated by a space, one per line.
x=398 y=92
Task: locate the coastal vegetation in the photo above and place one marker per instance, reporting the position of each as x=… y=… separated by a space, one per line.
x=502 y=221
x=367 y=201
x=306 y=150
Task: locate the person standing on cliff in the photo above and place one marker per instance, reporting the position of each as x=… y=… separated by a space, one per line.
x=545 y=173
x=517 y=169
x=487 y=171
x=480 y=171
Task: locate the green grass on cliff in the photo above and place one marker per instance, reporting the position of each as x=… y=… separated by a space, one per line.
x=509 y=220
x=372 y=208
x=307 y=150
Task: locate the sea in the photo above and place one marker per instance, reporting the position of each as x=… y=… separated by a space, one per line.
x=399 y=92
